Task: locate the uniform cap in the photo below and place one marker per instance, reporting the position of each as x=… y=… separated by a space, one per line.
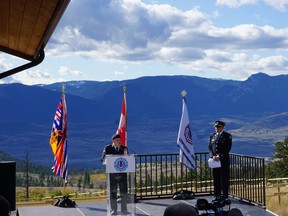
x=115 y=136
x=219 y=124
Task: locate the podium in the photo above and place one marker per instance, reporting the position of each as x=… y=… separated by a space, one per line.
x=120 y=170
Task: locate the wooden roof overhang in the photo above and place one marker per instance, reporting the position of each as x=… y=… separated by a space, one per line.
x=26 y=27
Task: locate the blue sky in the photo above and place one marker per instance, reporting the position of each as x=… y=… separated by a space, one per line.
x=125 y=39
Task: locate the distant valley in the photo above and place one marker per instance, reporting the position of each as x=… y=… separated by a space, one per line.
x=255 y=111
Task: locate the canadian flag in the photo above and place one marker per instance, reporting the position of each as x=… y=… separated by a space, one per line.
x=122 y=128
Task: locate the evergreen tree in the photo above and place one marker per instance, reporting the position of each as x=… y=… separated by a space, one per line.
x=86 y=180
x=79 y=183
x=278 y=167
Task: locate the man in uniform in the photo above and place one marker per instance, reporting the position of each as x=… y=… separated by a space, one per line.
x=219 y=147
x=117 y=179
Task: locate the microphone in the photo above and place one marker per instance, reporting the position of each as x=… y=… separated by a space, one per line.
x=132 y=151
x=123 y=148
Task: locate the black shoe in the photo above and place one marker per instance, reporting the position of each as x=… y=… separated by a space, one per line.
x=113 y=212
x=227 y=201
x=216 y=198
x=125 y=212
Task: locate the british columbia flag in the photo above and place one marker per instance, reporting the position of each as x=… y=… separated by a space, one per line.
x=58 y=140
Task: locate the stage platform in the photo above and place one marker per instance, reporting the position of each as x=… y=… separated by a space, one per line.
x=153 y=207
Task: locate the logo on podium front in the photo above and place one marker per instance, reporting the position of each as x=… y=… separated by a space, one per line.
x=121 y=164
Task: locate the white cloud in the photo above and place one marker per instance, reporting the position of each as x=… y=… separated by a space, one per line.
x=119 y=73
x=238 y=65
x=136 y=31
x=31 y=77
x=170 y=55
x=280 y=5
x=133 y=29
x=64 y=70
x=235 y=3
x=4 y=65
x=277 y=62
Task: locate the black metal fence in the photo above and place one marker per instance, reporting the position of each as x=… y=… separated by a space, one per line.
x=159 y=176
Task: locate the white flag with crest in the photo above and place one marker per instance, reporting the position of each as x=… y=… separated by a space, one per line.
x=184 y=140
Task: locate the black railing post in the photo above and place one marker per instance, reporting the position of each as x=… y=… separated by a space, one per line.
x=263 y=182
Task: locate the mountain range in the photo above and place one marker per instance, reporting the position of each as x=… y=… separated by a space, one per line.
x=255 y=111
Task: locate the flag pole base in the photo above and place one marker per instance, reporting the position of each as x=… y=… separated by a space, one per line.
x=183 y=195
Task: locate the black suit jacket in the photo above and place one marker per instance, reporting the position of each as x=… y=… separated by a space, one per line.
x=110 y=149
x=220 y=146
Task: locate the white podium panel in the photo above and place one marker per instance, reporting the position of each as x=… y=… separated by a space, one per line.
x=120 y=163
x=120 y=171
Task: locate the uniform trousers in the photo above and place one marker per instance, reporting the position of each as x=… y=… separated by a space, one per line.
x=221 y=177
x=121 y=182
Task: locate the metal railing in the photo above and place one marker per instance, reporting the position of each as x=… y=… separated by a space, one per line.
x=159 y=176
x=247 y=180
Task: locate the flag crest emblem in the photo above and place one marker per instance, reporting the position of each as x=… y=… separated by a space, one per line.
x=121 y=164
x=188 y=134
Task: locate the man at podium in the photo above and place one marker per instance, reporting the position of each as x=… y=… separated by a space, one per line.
x=117 y=179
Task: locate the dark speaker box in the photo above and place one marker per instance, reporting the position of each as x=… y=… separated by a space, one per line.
x=8 y=182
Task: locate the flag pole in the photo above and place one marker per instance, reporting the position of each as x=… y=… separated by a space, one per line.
x=124 y=90
x=184 y=137
x=58 y=139
x=63 y=94
x=182 y=170
x=183 y=93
